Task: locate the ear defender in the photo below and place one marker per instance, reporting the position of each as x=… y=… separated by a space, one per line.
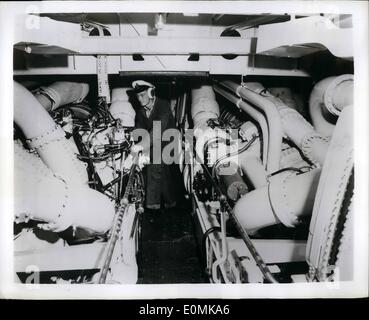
x=151 y=92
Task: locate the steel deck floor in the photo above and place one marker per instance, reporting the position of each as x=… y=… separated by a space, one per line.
x=168 y=252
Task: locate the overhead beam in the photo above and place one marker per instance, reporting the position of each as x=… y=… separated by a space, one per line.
x=309 y=30
x=142 y=45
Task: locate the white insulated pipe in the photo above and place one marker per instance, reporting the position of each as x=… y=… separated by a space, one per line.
x=327 y=99
x=285 y=94
x=55 y=190
x=255 y=172
x=121 y=108
x=204 y=105
x=42 y=196
x=313 y=145
x=61 y=93
x=334 y=193
x=301 y=132
x=47 y=138
x=285 y=199
x=291 y=157
x=287 y=196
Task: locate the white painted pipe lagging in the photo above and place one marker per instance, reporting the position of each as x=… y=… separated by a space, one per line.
x=55 y=189
x=313 y=144
x=285 y=200
x=46 y=137
x=204 y=107
x=327 y=99
x=42 y=196
x=302 y=133
x=61 y=93
x=121 y=108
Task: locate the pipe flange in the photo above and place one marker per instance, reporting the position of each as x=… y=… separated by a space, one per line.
x=307 y=143
x=289 y=217
x=55 y=134
x=329 y=93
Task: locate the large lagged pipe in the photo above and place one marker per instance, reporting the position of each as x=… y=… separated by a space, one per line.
x=330 y=241
x=61 y=93
x=303 y=135
x=312 y=143
x=47 y=138
x=203 y=108
x=204 y=105
x=285 y=199
x=42 y=196
x=327 y=99
x=121 y=108
x=254 y=171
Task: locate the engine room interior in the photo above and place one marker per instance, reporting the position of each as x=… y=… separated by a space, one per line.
x=261 y=147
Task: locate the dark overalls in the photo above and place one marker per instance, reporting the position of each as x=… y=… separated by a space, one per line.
x=158 y=177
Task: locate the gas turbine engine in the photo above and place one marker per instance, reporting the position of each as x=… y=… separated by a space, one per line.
x=76 y=179
x=267 y=174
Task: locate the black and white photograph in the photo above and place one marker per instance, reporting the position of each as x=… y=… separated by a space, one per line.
x=184 y=149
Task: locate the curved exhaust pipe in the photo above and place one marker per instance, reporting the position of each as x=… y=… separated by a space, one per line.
x=61 y=93
x=46 y=137
x=55 y=189
x=42 y=196
x=285 y=199
x=302 y=133
x=327 y=99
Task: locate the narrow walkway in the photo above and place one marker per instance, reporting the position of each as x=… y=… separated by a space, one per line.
x=168 y=249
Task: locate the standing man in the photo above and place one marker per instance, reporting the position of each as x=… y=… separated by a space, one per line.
x=158 y=177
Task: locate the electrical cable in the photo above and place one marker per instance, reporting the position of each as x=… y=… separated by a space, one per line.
x=244 y=148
